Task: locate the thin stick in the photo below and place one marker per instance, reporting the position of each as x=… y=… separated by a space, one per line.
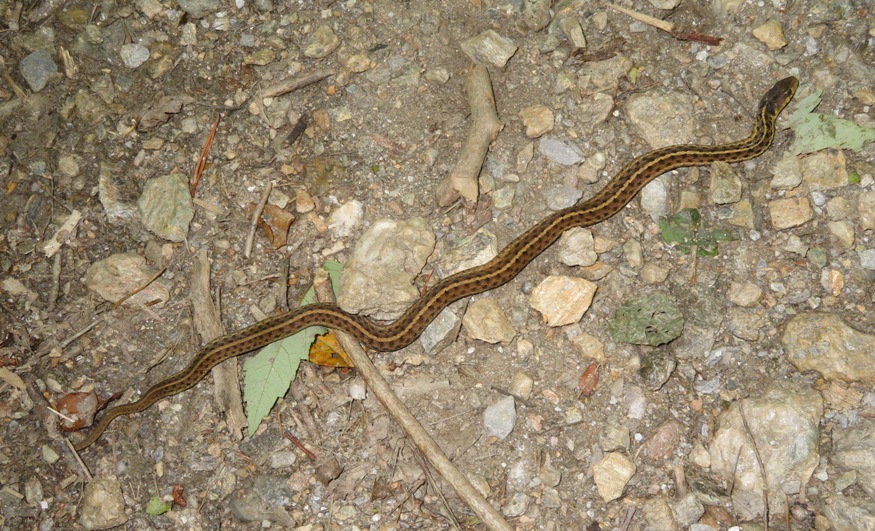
x=289 y=85
x=78 y=459
x=434 y=484
x=756 y=452
x=55 y=288
x=694 y=257
x=675 y=31
x=667 y=27
x=205 y=153
x=283 y=282
x=143 y=286
x=255 y=217
x=66 y=343
x=288 y=435
x=414 y=430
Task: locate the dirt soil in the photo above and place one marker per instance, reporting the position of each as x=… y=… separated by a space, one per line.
x=384 y=134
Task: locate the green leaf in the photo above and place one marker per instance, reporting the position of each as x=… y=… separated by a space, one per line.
x=816 y=131
x=652 y=319
x=157 y=506
x=686 y=229
x=268 y=375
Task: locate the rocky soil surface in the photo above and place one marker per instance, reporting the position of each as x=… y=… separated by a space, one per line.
x=750 y=398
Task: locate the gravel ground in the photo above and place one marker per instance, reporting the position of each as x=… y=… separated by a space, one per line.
x=99 y=102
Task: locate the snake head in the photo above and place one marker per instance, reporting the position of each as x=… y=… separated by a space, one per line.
x=779 y=96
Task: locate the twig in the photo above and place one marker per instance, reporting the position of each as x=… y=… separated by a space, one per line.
x=434 y=484
x=283 y=280
x=304 y=416
x=78 y=459
x=414 y=430
x=142 y=286
x=485 y=126
x=627 y=518
x=288 y=85
x=675 y=31
x=288 y=435
x=205 y=153
x=667 y=27
x=694 y=257
x=756 y=452
x=67 y=342
x=55 y=288
x=207 y=320
x=255 y=216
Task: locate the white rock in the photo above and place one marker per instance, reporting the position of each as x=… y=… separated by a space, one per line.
x=343 y=220
x=611 y=475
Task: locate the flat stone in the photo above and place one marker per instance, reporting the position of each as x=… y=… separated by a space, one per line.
x=789 y=213
x=37 y=69
x=611 y=475
x=825 y=343
x=538 y=120
x=103 y=504
x=499 y=419
x=562 y=300
x=485 y=320
x=560 y=152
x=321 y=42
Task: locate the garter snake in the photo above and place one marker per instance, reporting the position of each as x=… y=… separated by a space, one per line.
x=501 y=269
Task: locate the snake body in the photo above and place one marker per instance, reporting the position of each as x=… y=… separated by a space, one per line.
x=498 y=271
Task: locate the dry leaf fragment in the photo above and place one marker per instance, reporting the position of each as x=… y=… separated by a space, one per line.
x=588 y=380
x=274 y=222
x=179 y=496
x=326 y=351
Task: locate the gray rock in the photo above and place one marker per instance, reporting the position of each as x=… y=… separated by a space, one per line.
x=560 y=152
x=662 y=119
x=119 y=274
x=854 y=450
x=489 y=48
x=850 y=514
x=559 y=197
x=517 y=505
x=687 y=510
x=199 y=8
x=472 y=251
x=867 y=258
x=784 y=425
x=500 y=418
x=656 y=368
x=444 y=330
x=134 y=54
x=37 y=69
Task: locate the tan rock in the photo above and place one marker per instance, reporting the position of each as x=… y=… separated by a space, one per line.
x=562 y=300
x=788 y=213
